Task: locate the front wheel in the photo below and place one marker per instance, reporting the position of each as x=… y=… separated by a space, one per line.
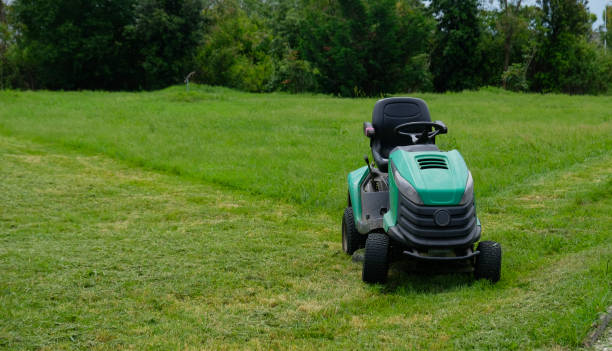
x=351 y=239
x=488 y=262
x=376 y=261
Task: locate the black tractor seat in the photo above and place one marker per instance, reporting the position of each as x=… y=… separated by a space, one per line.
x=387 y=115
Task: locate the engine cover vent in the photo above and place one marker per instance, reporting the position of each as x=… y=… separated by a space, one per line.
x=430 y=162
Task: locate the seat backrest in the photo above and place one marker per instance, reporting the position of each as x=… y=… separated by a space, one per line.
x=388 y=114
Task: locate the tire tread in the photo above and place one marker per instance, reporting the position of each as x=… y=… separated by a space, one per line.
x=488 y=262
x=376 y=262
x=355 y=240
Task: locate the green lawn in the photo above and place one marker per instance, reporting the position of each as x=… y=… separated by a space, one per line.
x=210 y=220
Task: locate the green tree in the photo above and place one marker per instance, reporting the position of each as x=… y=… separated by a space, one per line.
x=415 y=33
x=565 y=17
x=75 y=44
x=327 y=39
x=291 y=73
x=511 y=23
x=294 y=75
x=456 y=58
x=566 y=61
x=15 y=65
x=507 y=43
x=607 y=27
x=236 y=51
x=384 y=58
x=5 y=39
x=355 y=45
x=107 y=44
x=164 y=35
x=491 y=48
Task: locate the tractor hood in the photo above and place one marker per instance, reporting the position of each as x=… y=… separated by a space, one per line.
x=439 y=177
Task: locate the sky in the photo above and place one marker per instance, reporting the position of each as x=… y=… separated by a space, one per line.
x=597 y=7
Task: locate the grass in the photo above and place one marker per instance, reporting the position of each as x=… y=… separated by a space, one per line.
x=210 y=220
x=298 y=148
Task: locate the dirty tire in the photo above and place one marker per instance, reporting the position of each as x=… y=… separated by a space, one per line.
x=376 y=262
x=488 y=262
x=351 y=239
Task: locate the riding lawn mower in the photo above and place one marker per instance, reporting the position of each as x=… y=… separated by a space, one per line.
x=414 y=201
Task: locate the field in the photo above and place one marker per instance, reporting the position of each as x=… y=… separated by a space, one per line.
x=210 y=219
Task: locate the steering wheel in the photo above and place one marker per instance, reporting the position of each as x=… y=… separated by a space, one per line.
x=421 y=131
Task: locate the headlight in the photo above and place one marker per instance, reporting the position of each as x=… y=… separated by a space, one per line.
x=405 y=187
x=468 y=195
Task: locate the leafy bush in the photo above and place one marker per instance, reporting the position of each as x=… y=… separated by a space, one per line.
x=515 y=77
x=105 y=44
x=294 y=75
x=573 y=66
x=341 y=47
x=75 y=45
x=417 y=74
x=235 y=51
x=251 y=75
x=165 y=35
x=365 y=48
x=455 y=58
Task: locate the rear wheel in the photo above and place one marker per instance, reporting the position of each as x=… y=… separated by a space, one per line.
x=351 y=239
x=376 y=262
x=488 y=262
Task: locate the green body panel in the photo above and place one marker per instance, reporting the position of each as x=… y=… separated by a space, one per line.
x=435 y=186
x=390 y=218
x=355 y=178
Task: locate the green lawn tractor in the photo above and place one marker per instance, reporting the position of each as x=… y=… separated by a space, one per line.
x=417 y=201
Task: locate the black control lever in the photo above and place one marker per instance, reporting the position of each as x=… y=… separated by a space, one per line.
x=373 y=171
x=367 y=161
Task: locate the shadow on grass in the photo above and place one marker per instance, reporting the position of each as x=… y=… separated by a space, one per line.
x=410 y=276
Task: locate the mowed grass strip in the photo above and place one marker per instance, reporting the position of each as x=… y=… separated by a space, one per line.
x=95 y=254
x=299 y=148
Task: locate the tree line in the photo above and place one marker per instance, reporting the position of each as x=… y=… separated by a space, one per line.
x=341 y=47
